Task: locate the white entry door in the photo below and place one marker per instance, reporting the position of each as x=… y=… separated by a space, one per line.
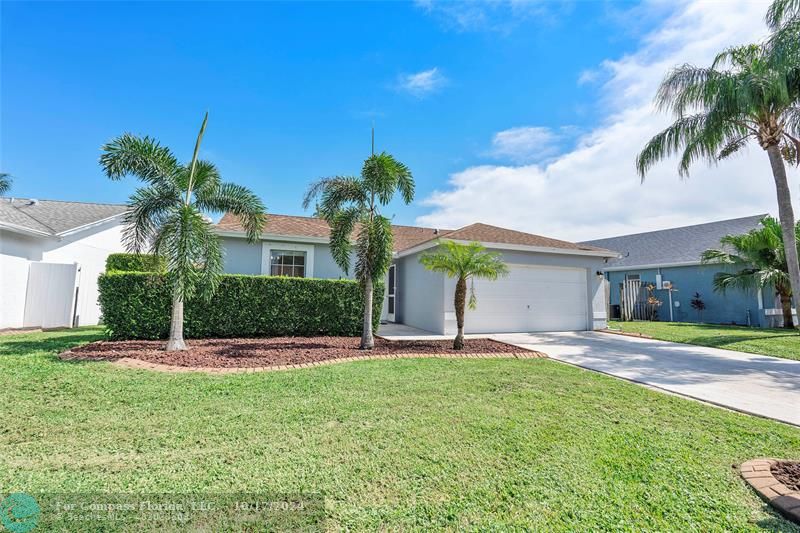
x=531 y=298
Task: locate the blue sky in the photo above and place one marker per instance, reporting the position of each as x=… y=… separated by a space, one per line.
x=454 y=89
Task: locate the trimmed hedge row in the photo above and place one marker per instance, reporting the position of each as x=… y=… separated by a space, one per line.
x=137 y=305
x=135 y=263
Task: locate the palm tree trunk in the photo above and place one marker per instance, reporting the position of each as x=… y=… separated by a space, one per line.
x=367 y=340
x=175 y=342
x=786 y=215
x=786 y=304
x=460 y=302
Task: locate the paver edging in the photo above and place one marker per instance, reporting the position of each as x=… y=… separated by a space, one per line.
x=758 y=474
x=138 y=364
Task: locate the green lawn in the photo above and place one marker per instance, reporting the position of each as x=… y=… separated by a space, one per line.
x=405 y=444
x=775 y=342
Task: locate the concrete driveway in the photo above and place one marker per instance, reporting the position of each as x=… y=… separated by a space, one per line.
x=761 y=385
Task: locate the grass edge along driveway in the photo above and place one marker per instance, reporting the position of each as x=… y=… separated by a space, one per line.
x=403 y=444
x=775 y=342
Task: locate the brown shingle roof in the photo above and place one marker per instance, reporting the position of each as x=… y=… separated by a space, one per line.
x=494 y=234
x=404 y=236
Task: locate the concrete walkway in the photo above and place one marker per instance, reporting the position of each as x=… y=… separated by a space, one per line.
x=756 y=384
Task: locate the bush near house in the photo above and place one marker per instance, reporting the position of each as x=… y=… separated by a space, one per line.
x=136 y=305
x=135 y=263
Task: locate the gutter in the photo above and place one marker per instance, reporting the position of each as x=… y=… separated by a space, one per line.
x=513 y=247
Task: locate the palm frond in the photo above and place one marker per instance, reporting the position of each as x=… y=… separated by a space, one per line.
x=342 y=224
x=5 y=182
x=148 y=209
x=235 y=199
x=465 y=261
x=782 y=11
x=373 y=248
x=141 y=157
x=336 y=193
x=195 y=154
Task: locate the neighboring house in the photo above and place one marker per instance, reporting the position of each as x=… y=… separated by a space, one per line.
x=51 y=253
x=553 y=285
x=672 y=257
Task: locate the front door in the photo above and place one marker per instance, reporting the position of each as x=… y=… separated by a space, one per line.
x=391 y=293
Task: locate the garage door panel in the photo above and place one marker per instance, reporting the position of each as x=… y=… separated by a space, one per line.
x=531 y=299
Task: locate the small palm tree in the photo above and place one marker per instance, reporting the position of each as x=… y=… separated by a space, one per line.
x=464 y=262
x=747 y=93
x=5 y=182
x=168 y=215
x=761 y=258
x=351 y=205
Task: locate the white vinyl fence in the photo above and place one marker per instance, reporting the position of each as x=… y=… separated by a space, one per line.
x=51 y=295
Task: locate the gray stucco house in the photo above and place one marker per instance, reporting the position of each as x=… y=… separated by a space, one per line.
x=553 y=285
x=671 y=257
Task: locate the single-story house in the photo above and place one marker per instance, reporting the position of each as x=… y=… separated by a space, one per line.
x=553 y=285
x=670 y=260
x=51 y=254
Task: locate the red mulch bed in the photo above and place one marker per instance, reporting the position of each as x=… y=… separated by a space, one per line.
x=788 y=473
x=274 y=351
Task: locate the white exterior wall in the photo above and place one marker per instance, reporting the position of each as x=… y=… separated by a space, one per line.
x=88 y=248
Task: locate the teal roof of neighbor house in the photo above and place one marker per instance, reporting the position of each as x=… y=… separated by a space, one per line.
x=52 y=217
x=672 y=246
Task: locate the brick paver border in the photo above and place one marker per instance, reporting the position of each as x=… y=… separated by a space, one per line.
x=758 y=475
x=128 y=362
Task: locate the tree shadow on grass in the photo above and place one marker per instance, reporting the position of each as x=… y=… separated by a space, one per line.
x=49 y=345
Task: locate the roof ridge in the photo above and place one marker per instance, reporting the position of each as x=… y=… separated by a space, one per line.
x=59 y=201
x=675 y=228
x=323 y=220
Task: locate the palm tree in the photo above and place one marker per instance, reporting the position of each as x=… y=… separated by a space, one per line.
x=761 y=258
x=5 y=182
x=745 y=94
x=464 y=262
x=351 y=205
x=168 y=215
x=783 y=18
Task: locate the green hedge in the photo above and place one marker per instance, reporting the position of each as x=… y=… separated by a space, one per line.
x=136 y=305
x=135 y=263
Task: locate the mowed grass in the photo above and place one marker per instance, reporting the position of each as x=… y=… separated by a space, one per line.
x=407 y=444
x=776 y=342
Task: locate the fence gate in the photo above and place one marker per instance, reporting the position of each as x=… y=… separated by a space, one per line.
x=51 y=295
x=633 y=300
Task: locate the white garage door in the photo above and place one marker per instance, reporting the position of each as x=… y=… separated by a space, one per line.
x=531 y=298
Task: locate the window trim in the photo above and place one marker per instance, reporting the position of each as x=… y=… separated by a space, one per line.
x=268 y=246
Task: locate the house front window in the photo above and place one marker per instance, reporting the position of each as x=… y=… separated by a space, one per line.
x=287 y=263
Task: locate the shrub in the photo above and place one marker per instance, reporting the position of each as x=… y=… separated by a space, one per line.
x=135 y=263
x=137 y=305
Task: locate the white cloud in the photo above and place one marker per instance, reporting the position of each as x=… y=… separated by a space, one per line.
x=500 y=16
x=527 y=144
x=592 y=190
x=588 y=76
x=422 y=83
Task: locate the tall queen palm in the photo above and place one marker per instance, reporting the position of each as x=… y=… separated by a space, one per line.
x=746 y=94
x=168 y=216
x=351 y=206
